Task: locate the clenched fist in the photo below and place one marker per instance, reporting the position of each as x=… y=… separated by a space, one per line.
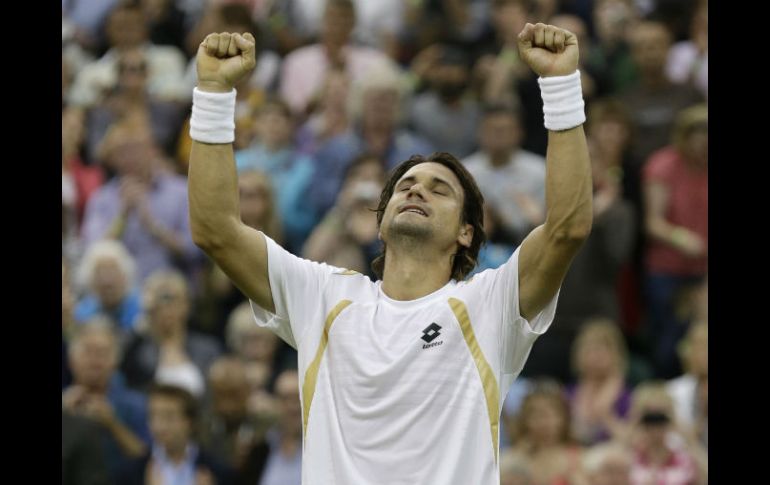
x=223 y=59
x=548 y=50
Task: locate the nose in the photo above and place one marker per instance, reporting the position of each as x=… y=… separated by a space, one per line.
x=416 y=190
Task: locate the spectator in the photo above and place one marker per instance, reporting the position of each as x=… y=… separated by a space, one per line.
x=512 y=179
x=99 y=394
x=127 y=29
x=446 y=115
x=654 y=101
x=688 y=60
x=377 y=107
x=277 y=458
x=690 y=390
x=107 y=272
x=661 y=451
x=543 y=436
x=175 y=455
x=600 y=398
x=274 y=154
x=144 y=206
x=304 y=69
x=610 y=58
x=228 y=430
x=166 y=351
x=676 y=196
x=131 y=97
x=82 y=461
x=347 y=237
x=329 y=113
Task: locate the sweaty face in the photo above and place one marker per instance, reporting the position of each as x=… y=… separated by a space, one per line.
x=426 y=204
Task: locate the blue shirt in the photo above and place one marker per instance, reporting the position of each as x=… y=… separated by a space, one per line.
x=167 y=200
x=290 y=173
x=176 y=474
x=279 y=468
x=125 y=315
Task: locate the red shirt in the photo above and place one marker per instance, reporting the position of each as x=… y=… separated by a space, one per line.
x=87 y=180
x=688 y=201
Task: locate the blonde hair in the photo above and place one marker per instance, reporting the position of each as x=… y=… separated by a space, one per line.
x=100 y=250
x=686 y=121
x=382 y=76
x=652 y=394
x=554 y=392
x=606 y=331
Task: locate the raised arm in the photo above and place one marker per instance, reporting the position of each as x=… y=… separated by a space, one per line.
x=547 y=252
x=215 y=222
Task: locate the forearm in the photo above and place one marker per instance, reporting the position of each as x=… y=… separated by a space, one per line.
x=129 y=443
x=213 y=194
x=568 y=193
x=663 y=231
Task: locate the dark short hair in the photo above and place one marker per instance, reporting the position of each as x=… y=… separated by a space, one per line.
x=473 y=211
x=183 y=396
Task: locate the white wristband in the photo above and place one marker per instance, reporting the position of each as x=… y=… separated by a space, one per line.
x=213 y=117
x=563 y=106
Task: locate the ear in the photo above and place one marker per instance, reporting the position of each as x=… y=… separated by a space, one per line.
x=466 y=235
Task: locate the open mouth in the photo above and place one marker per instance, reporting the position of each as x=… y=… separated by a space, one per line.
x=415 y=209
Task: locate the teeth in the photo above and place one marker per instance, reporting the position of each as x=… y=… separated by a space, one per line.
x=416 y=211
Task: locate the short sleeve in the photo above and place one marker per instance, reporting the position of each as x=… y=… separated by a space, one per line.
x=297 y=287
x=499 y=289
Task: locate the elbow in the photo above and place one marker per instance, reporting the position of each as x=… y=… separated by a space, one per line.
x=210 y=237
x=571 y=233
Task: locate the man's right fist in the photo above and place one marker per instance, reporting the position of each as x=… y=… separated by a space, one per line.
x=223 y=59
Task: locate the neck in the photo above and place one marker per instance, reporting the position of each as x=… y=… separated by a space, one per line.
x=499 y=159
x=412 y=272
x=99 y=388
x=176 y=454
x=172 y=335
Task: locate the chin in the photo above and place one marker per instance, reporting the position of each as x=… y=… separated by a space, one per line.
x=411 y=229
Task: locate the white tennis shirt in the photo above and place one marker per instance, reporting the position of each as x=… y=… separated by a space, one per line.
x=400 y=392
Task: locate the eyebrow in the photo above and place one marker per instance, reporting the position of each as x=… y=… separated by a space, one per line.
x=434 y=179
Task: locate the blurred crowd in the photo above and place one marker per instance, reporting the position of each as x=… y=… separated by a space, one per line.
x=166 y=378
